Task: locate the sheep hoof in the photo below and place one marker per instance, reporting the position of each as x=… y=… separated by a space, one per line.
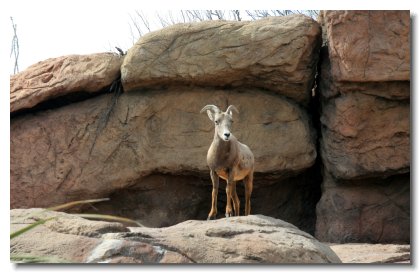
x=211 y=218
x=228 y=215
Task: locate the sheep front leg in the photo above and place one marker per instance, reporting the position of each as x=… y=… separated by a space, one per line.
x=235 y=200
x=229 y=187
x=215 y=182
x=229 y=191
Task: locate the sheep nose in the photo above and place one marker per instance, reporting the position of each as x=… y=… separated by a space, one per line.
x=227 y=134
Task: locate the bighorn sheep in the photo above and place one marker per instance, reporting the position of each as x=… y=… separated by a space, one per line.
x=230 y=160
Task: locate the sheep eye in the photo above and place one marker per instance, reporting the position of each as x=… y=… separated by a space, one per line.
x=217 y=122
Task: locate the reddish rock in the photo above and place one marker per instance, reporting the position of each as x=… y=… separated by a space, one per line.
x=368 y=46
x=61 y=76
x=365 y=136
x=365 y=127
x=371 y=211
x=330 y=88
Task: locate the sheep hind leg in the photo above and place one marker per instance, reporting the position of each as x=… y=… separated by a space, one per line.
x=248 y=183
x=215 y=182
x=235 y=200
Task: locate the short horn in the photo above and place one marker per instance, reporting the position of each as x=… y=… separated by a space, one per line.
x=212 y=107
x=232 y=107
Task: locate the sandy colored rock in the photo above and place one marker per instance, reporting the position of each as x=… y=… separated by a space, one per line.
x=65 y=223
x=276 y=53
x=251 y=239
x=372 y=211
x=372 y=253
x=49 y=246
x=64 y=240
x=368 y=46
x=246 y=239
x=365 y=136
x=74 y=153
x=61 y=76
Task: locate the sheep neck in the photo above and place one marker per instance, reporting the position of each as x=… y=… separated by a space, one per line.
x=224 y=152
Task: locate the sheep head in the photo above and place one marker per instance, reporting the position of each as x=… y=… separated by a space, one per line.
x=222 y=120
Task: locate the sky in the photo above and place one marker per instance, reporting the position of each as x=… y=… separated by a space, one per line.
x=65 y=28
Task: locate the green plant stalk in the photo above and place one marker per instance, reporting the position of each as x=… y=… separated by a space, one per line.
x=55 y=208
x=29 y=227
x=75 y=203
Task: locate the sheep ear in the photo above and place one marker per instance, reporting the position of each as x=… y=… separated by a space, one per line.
x=211 y=115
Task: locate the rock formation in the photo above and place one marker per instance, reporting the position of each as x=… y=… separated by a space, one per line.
x=107 y=145
x=332 y=158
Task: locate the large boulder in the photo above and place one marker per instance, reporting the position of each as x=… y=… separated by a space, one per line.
x=85 y=150
x=250 y=239
x=278 y=54
x=57 y=77
x=368 y=46
x=246 y=239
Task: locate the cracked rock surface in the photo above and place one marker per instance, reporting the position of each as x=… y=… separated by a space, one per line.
x=368 y=46
x=277 y=54
x=365 y=121
x=74 y=152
